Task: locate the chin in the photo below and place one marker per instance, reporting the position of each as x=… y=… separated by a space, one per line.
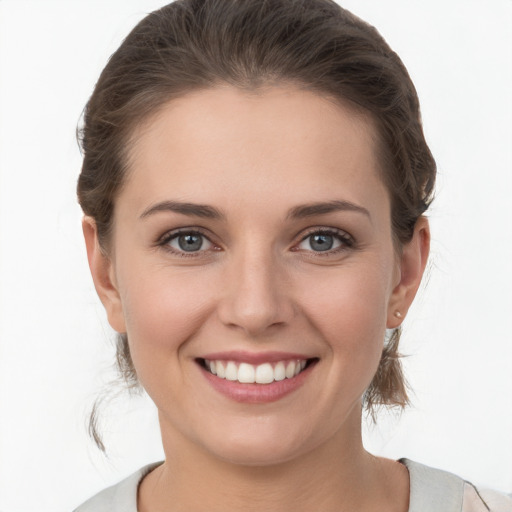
x=259 y=445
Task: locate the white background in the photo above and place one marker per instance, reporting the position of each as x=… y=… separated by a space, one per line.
x=55 y=346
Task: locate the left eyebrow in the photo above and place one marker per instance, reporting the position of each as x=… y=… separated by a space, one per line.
x=191 y=209
x=309 y=210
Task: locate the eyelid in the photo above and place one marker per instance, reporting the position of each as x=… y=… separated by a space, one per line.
x=347 y=240
x=324 y=230
x=164 y=240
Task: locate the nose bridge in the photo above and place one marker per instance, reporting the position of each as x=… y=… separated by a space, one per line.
x=255 y=297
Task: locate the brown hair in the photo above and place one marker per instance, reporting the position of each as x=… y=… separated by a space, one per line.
x=314 y=44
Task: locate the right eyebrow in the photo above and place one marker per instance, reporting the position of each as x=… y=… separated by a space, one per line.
x=190 y=209
x=323 y=208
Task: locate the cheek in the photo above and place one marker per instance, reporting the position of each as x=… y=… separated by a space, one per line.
x=349 y=309
x=162 y=311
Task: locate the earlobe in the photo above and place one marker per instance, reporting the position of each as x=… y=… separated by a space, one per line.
x=412 y=264
x=102 y=272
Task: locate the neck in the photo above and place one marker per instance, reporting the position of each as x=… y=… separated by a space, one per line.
x=337 y=475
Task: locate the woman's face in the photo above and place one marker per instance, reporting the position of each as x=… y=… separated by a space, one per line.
x=254 y=232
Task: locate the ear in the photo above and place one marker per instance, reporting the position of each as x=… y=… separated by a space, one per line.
x=103 y=275
x=412 y=262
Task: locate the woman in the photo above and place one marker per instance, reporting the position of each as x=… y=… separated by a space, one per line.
x=254 y=182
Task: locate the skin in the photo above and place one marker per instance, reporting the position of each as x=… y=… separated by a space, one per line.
x=258 y=285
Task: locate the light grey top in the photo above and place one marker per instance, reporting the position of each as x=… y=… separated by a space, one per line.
x=432 y=490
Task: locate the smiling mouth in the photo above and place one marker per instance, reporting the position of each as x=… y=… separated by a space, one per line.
x=265 y=373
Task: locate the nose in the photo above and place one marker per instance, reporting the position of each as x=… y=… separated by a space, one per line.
x=257 y=296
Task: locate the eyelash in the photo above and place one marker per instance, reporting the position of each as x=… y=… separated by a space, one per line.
x=346 y=240
x=165 y=240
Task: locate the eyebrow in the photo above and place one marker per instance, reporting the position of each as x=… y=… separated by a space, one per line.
x=209 y=212
x=191 y=209
x=309 y=210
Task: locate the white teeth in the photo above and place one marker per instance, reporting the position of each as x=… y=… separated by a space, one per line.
x=280 y=371
x=260 y=374
x=221 y=371
x=231 y=371
x=290 y=370
x=246 y=373
x=264 y=373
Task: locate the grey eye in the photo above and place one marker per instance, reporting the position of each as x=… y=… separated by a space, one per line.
x=321 y=242
x=324 y=241
x=190 y=242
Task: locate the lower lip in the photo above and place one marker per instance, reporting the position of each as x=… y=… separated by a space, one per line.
x=257 y=393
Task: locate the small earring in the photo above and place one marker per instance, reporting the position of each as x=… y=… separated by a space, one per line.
x=398 y=314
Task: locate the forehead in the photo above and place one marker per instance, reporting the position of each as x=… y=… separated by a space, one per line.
x=210 y=142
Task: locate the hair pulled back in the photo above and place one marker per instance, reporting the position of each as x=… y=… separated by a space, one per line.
x=314 y=44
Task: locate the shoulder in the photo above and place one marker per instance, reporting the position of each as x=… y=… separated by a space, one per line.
x=495 y=501
x=434 y=490
x=121 y=497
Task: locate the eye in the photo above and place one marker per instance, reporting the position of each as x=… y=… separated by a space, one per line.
x=187 y=242
x=325 y=241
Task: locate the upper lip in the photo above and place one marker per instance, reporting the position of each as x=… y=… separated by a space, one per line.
x=254 y=357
